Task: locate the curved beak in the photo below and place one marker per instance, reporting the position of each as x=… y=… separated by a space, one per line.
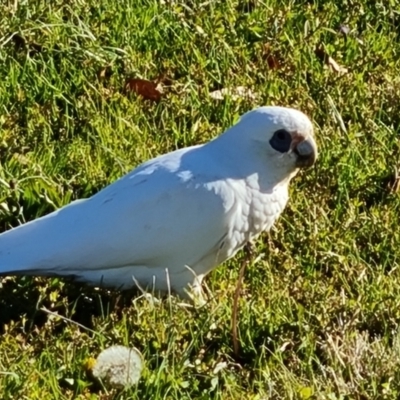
x=306 y=151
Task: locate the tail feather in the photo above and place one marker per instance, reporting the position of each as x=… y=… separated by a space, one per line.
x=41 y=246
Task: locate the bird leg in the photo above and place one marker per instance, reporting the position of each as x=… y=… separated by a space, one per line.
x=246 y=260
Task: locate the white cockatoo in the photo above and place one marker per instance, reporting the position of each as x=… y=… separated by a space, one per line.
x=173 y=219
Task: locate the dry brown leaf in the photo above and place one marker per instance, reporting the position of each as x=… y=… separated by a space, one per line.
x=239 y=92
x=336 y=67
x=272 y=61
x=147 y=89
x=271 y=57
x=328 y=60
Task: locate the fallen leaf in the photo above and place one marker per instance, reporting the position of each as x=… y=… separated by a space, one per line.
x=236 y=93
x=336 y=67
x=328 y=60
x=147 y=89
x=271 y=57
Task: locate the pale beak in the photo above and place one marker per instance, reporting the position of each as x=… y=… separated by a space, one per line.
x=306 y=151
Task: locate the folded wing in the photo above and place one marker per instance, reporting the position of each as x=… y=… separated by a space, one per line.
x=152 y=217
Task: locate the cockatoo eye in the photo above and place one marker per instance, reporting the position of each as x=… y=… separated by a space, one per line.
x=281 y=141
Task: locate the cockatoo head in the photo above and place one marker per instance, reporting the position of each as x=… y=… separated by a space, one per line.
x=283 y=134
x=273 y=142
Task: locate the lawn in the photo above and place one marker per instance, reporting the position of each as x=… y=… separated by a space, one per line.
x=319 y=312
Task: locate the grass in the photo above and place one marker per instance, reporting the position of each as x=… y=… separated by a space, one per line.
x=320 y=308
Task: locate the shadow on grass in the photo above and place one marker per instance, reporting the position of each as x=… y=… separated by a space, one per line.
x=21 y=299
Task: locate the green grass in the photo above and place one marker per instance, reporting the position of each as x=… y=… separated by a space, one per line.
x=320 y=308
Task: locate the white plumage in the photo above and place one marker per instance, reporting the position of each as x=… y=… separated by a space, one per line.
x=180 y=214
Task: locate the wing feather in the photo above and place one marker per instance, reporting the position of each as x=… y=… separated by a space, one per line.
x=154 y=216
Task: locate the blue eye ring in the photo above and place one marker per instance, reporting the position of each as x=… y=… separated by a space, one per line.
x=281 y=141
